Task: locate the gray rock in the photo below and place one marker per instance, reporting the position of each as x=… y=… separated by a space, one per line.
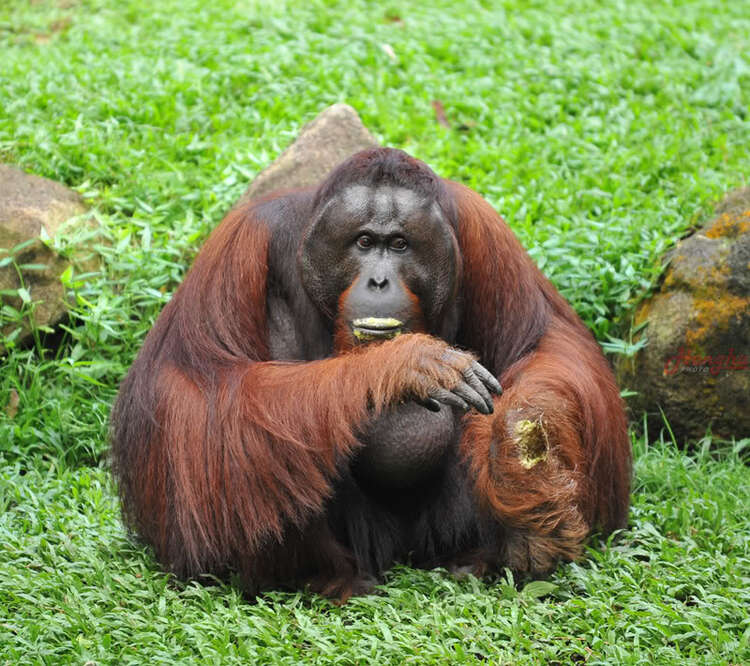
x=335 y=134
x=696 y=366
x=28 y=205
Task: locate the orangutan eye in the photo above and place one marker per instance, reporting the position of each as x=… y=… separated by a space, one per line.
x=365 y=242
x=398 y=244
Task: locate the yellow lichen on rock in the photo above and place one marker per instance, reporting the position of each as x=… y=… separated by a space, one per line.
x=730 y=225
x=713 y=314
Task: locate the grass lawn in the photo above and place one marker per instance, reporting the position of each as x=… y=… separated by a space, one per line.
x=602 y=131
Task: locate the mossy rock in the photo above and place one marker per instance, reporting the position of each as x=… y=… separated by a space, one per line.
x=696 y=366
x=32 y=207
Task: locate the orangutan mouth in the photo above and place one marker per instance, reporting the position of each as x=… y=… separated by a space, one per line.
x=376 y=328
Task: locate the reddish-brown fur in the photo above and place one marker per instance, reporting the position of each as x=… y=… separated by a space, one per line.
x=564 y=382
x=226 y=458
x=240 y=449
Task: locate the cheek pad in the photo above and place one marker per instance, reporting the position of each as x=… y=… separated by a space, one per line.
x=326 y=271
x=431 y=276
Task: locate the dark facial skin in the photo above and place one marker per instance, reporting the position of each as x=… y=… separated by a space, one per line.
x=390 y=252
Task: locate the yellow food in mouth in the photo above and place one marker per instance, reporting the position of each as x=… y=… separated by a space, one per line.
x=366 y=329
x=377 y=323
x=366 y=336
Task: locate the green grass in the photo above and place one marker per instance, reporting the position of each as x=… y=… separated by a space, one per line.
x=675 y=588
x=602 y=131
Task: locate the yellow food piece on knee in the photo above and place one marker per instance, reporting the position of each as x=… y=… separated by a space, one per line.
x=532 y=442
